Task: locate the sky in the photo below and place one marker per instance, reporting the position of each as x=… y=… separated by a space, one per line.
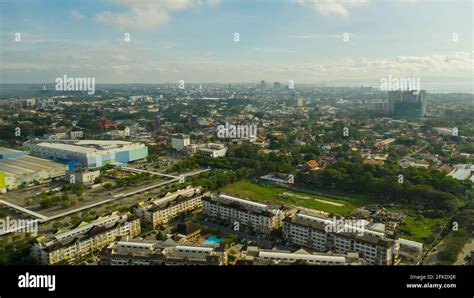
x=306 y=41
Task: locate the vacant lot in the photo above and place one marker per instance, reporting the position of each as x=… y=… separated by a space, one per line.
x=420 y=228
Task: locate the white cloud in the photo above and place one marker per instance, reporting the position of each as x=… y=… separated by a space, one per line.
x=332 y=7
x=143 y=66
x=76 y=15
x=119 y=57
x=270 y=50
x=146 y=14
x=319 y=35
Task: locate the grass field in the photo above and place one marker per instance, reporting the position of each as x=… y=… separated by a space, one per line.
x=278 y=195
x=421 y=229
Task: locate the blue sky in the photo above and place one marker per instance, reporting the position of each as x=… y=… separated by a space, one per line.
x=193 y=40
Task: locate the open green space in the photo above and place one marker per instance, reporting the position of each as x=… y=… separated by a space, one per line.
x=277 y=195
x=420 y=228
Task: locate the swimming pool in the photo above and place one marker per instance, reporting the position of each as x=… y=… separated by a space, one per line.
x=213 y=240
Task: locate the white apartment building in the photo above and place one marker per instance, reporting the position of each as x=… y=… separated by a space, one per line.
x=377 y=248
x=180 y=141
x=212 y=150
x=146 y=252
x=259 y=256
x=244 y=213
x=76 y=135
x=57 y=136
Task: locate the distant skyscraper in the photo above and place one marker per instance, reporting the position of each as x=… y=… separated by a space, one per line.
x=378 y=106
x=407 y=103
x=300 y=102
x=158 y=121
x=263 y=85
x=276 y=85
x=193 y=121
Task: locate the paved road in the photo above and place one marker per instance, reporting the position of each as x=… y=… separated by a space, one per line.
x=123 y=195
x=43 y=218
x=134 y=170
x=24 y=210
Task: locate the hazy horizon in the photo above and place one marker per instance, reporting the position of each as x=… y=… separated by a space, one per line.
x=236 y=42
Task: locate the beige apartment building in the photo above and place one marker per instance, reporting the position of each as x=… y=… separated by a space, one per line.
x=242 y=213
x=160 y=211
x=145 y=252
x=377 y=248
x=69 y=245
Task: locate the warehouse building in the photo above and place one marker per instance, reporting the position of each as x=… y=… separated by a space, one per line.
x=10 y=153
x=26 y=170
x=89 y=153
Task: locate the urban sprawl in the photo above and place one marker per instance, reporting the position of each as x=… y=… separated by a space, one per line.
x=236 y=174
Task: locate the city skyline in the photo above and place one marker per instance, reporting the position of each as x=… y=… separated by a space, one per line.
x=339 y=42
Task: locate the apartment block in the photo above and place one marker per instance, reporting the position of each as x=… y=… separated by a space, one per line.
x=145 y=252
x=377 y=248
x=69 y=245
x=180 y=141
x=160 y=211
x=257 y=256
x=244 y=213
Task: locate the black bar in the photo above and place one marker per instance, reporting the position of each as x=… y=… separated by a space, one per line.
x=209 y=281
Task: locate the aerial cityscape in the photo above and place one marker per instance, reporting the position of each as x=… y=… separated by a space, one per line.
x=236 y=133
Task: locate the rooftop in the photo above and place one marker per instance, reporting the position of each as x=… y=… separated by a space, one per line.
x=85 y=146
x=24 y=165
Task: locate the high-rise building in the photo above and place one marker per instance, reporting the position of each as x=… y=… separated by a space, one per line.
x=378 y=106
x=407 y=103
x=157 y=121
x=263 y=85
x=300 y=102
